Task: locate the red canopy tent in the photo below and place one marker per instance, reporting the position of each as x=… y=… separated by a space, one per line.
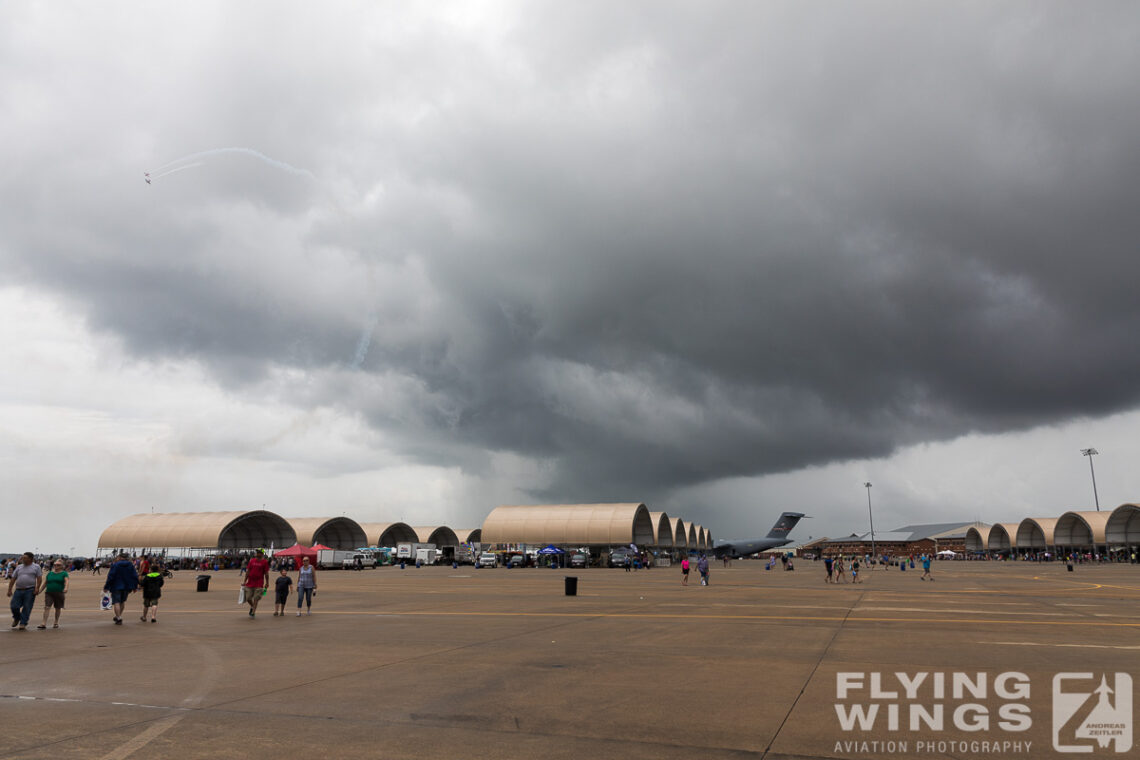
x=321 y=548
x=298 y=551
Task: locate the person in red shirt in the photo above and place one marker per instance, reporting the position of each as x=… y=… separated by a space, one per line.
x=256 y=580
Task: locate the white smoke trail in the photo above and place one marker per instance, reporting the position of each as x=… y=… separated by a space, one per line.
x=160 y=171
x=365 y=340
x=175 y=170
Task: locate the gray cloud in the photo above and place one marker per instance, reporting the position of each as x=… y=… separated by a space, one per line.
x=650 y=246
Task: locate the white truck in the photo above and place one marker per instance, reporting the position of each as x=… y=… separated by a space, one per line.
x=407 y=552
x=365 y=560
x=426 y=556
x=328 y=559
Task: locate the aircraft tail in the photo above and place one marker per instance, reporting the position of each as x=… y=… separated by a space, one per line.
x=785 y=525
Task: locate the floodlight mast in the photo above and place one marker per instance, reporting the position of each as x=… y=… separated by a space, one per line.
x=1090 y=453
x=871 y=517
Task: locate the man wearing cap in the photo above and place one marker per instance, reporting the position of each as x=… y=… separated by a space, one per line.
x=256 y=580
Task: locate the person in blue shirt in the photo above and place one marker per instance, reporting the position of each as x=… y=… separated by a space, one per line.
x=926 y=568
x=122 y=579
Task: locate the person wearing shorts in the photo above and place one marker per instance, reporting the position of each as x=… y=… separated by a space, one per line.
x=256 y=580
x=855 y=569
x=827 y=565
x=685 y=571
x=281 y=589
x=122 y=580
x=152 y=590
x=55 y=591
x=926 y=568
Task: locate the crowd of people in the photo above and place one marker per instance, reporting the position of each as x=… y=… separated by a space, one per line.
x=29 y=579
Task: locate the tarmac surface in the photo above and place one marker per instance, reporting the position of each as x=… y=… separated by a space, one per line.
x=499 y=663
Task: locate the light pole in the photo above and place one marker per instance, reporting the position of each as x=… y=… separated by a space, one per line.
x=1090 y=452
x=871 y=516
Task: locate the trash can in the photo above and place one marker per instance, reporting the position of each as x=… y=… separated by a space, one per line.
x=571 y=585
x=902 y=566
x=1070 y=567
x=203 y=583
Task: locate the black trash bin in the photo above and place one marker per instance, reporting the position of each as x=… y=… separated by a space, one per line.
x=203 y=583
x=571 y=585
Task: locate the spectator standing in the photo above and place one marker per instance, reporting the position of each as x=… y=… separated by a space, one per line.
x=306 y=586
x=24 y=585
x=256 y=580
x=685 y=571
x=55 y=592
x=122 y=580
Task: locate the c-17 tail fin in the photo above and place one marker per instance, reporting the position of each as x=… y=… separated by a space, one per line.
x=785 y=524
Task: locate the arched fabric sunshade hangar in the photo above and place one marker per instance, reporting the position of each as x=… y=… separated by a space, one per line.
x=1123 y=526
x=1081 y=530
x=691 y=539
x=469 y=535
x=440 y=535
x=333 y=532
x=1002 y=538
x=709 y=539
x=389 y=534
x=570 y=525
x=662 y=529
x=698 y=536
x=680 y=534
x=250 y=529
x=978 y=538
x=1035 y=534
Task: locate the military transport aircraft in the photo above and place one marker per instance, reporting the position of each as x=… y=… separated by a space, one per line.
x=778 y=536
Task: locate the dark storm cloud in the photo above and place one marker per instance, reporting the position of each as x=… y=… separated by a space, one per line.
x=648 y=248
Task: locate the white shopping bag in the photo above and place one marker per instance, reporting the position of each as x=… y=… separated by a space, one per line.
x=105 y=602
x=241 y=595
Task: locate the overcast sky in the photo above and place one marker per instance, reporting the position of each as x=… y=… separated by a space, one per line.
x=410 y=261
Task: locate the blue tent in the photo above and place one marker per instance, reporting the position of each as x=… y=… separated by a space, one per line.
x=550 y=549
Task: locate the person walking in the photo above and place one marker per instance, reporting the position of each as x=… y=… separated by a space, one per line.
x=827 y=566
x=152 y=584
x=281 y=591
x=855 y=569
x=25 y=583
x=839 y=576
x=122 y=580
x=306 y=586
x=703 y=568
x=926 y=569
x=256 y=580
x=685 y=571
x=55 y=592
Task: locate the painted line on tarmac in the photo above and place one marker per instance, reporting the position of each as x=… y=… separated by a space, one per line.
x=32 y=698
x=944 y=609
x=713 y=616
x=1041 y=644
